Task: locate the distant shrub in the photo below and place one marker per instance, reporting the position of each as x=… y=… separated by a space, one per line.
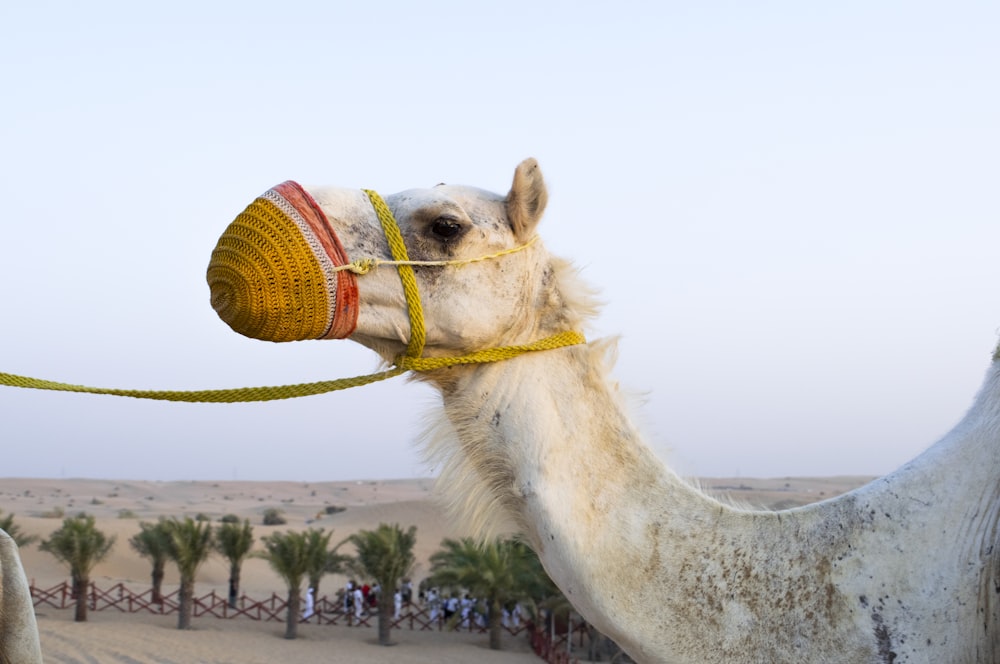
x=274 y=517
x=54 y=513
x=201 y=516
x=333 y=509
x=127 y=514
x=230 y=518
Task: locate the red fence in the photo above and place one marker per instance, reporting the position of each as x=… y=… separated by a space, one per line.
x=120 y=597
x=552 y=650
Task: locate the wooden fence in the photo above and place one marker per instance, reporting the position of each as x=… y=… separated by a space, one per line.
x=119 y=597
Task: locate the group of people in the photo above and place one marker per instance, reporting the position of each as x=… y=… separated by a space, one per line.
x=469 y=609
x=361 y=600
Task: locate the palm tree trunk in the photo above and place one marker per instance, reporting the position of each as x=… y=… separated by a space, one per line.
x=234 y=585
x=494 y=624
x=384 y=621
x=292 y=617
x=158 y=584
x=186 y=603
x=80 y=587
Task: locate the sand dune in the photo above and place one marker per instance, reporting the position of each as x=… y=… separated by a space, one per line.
x=120 y=505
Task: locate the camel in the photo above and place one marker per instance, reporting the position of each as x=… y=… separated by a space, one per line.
x=903 y=569
x=18 y=630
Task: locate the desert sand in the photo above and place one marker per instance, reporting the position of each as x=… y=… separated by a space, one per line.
x=120 y=505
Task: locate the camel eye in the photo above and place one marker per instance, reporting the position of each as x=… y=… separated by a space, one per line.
x=445 y=228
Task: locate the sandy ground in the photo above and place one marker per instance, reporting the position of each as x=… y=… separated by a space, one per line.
x=135 y=639
x=119 y=506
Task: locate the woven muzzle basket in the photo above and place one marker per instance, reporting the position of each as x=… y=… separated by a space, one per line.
x=271 y=274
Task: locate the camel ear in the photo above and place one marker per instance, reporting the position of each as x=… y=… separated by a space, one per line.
x=527 y=199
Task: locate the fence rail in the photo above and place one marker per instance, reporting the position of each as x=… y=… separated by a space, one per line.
x=119 y=597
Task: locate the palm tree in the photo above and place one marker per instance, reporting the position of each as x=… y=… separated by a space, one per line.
x=7 y=525
x=322 y=560
x=497 y=572
x=386 y=555
x=234 y=542
x=294 y=556
x=153 y=542
x=190 y=544
x=79 y=544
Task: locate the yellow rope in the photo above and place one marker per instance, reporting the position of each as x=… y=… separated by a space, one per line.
x=366 y=265
x=274 y=393
x=409 y=361
x=559 y=340
x=418 y=335
x=234 y=395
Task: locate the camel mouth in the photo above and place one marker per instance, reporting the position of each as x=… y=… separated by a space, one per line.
x=272 y=273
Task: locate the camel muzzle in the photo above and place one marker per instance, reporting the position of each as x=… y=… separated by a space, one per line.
x=272 y=273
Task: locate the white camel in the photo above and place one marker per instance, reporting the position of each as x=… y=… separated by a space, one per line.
x=902 y=570
x=18 y=631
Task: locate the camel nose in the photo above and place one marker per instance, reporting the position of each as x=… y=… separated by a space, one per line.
x=272 y=275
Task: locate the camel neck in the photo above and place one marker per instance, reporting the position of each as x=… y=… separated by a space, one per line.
x=552 y=438
x=662 y=568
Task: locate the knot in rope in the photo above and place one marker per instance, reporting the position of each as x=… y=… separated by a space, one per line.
x=359 y=266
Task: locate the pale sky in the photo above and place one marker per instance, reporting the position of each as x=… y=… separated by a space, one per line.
x=790 y=209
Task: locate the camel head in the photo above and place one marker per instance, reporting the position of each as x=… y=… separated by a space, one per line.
x=278 y=272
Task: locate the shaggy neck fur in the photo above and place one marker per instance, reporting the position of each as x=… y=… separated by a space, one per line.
x=902 y=570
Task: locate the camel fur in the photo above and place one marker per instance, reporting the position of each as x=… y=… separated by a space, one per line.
x=903 y=570
x=18 y=630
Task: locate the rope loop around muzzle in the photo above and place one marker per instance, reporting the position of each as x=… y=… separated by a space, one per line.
x=415 y=310
x=410 y=360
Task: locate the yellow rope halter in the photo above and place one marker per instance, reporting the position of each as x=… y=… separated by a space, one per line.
x=411 y=360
